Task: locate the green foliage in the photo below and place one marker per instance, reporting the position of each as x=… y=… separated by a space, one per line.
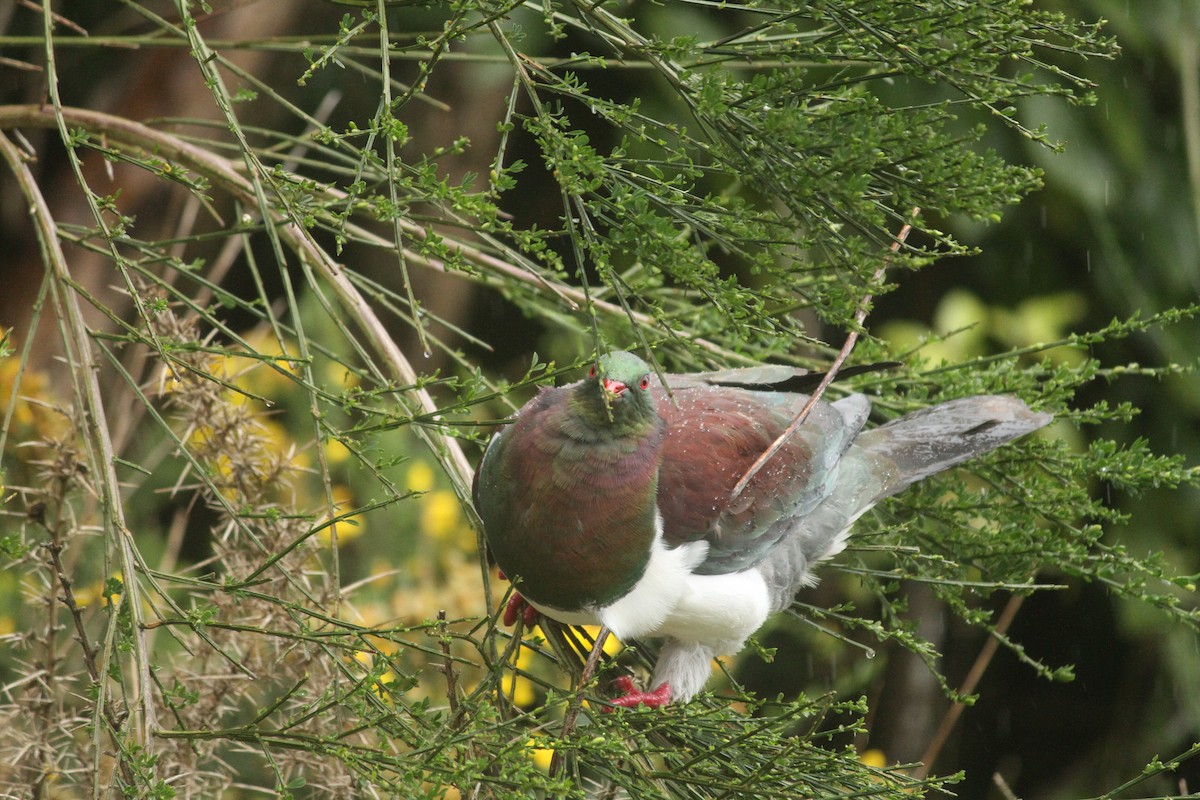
x=248 y=504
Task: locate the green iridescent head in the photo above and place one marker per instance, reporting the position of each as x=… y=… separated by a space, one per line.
x=616 y=393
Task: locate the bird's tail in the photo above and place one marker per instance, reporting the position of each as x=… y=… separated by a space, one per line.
x=933 y=439
x=881 y=462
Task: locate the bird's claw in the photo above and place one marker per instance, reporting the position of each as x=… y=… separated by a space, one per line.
x=630 y=697
x=518 y=608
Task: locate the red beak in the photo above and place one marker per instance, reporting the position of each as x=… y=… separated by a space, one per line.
x=615 y=388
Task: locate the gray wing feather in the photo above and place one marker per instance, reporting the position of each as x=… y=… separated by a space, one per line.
x=882 y=462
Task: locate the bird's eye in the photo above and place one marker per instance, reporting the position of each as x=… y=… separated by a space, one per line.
x=644 y=382
x=592 y=374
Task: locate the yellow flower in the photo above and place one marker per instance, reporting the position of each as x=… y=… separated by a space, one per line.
x=260 y=378
x=335 y=452
x=86 y=595
x=382 y=686
x=27 y=415
x=347 y=529
x=420 y=477
x=612 y=645
x=338 y=374
x=519 y=687
x=448 y=792
x=441 y=515
x=278 y=441
x=541 y=756
x=873 y=758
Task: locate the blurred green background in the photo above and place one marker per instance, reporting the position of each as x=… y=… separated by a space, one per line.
x=1115 y=231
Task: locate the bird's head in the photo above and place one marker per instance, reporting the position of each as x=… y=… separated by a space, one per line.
x=617 y=391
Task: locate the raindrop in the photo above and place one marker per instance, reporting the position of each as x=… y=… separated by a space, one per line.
x=268 y=403
x=1088 y=259
x=428 y=353
x=870 y=653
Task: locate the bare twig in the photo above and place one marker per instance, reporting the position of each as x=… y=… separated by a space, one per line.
x=859 y=317
x=571 y=718
x=91 y=400
x=986 y=653
x=55 y=17
x=1005 y=790
x=68 y=599
x=447 y=668
x=112 y=715
x=217 y=168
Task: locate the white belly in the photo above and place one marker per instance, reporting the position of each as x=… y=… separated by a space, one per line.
x=718 y=611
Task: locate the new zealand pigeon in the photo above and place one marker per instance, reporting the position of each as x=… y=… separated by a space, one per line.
x=609 y=501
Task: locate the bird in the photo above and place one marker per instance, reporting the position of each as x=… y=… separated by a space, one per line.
x=609 y=501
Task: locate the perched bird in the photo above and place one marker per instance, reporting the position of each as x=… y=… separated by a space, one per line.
x=609 y=502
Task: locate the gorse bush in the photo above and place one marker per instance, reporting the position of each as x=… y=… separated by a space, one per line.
x=268 y=324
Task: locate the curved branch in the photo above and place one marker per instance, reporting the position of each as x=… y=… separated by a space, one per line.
x=220 y=170
x=103 y=456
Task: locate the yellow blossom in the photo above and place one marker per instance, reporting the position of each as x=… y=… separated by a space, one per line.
x=541 y=756
x=441 y=516
x=28 y=414
x=382 y=686
x=347 y=529
x=337 y=373
x=260 y=378
x=612 y=645
x=448 y=792
x=519 y=687
x=335 y=452
x=86 y=595
x=420 y=477
x=278 y=441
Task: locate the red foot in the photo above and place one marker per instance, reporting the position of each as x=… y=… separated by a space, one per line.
x=632 y=698
x=518 y=608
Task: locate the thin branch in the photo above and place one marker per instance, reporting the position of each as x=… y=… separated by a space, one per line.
x=385 y=119
x=217 y=168
x=571 y=718
x=81 y=634
x=986 y=653
x=87 y=389
x=860 y=317
x=447 y=667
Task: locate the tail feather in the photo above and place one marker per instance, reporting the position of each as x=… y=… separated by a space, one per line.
x=937 y=438
x=883 y=461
